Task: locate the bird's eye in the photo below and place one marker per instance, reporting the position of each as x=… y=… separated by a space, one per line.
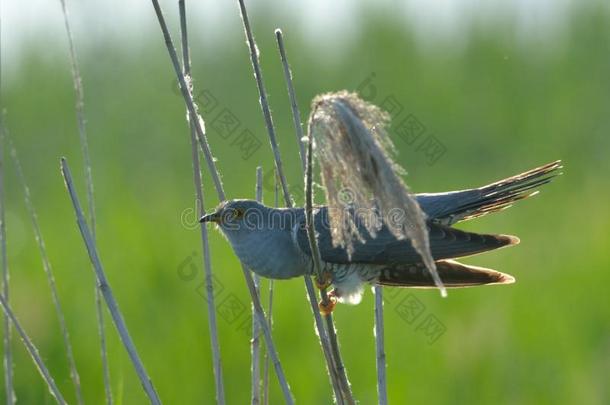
x=229 y=215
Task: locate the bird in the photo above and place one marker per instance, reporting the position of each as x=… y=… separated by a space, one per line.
x=273 y=242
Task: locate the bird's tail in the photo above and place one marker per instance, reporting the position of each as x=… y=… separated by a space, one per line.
x=496 y=196
x=452 y=273
x=502 y=194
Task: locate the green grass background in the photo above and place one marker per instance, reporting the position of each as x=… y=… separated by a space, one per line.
x=498 y=104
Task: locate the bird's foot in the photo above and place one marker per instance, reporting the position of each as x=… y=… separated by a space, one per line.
x=326 y=308
x=324 y=281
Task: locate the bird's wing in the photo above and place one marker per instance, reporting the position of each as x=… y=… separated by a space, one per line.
x=451 y=207
x=385 y=248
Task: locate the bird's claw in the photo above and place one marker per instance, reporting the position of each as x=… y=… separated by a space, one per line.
x=324 y=281
x=326 y=308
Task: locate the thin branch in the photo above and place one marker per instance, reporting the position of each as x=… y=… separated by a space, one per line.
x=258 y=75
x=198 y=124
x=209 y=283
x=9 y=316
x=33 y=352
x=255 y=344
x=190 y=104
x=211 y=306
x=8 y=351
x=260 y=316
x=324 y=337
x=382 y=391
x=296 y=114
x=80 y=115
x=103 y=346
x=265 y=395
x=103 y=285
x=46 y=264
x=330 y=342
x=313 y=245
x=345 y=390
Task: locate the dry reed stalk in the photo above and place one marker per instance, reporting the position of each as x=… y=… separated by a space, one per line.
x=255 y=343
x=382 y=383
x=8 y=350
x=33 y=352
x=199 y=128
x=328 y=336
x=9 y=315
x=205 y=245
x=46 y=264
x=104 y=287
x=265 y=391
x=82 y=130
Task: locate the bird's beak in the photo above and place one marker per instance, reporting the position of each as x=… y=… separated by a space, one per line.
x=213 y=217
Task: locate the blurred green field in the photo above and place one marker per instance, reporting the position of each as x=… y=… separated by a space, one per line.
x=499 y=105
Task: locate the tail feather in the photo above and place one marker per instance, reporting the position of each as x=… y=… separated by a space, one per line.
x=451 y=243
x=502 y=194
x=452 y=273
x=452 y=207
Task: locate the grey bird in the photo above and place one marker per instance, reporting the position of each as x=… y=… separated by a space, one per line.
x=273 y=242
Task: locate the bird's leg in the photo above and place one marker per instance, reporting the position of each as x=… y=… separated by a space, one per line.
x=326 y=308
x=325 y=280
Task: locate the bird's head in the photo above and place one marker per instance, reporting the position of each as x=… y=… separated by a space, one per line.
x=245 y=219
x=261 y=236
x=236 y=215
